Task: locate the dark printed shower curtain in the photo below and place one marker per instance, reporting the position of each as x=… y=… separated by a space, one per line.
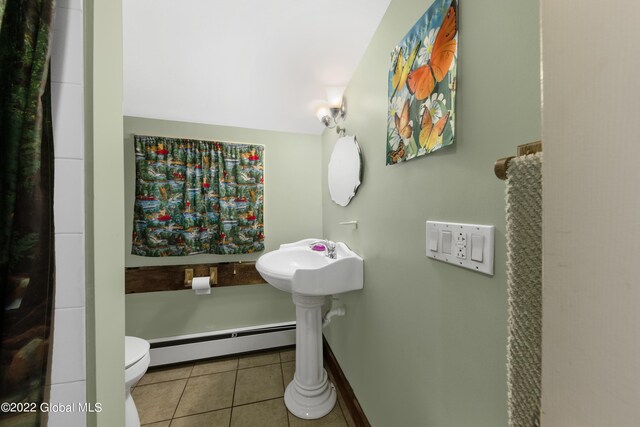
x=26 y=205
x=197 y=197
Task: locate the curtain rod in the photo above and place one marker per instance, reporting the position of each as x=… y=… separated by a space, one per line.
x=501 y=165
x=198 y=139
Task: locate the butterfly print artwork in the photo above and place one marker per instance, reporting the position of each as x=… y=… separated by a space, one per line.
x=403 y=124
x=422 y=85
x=423 y=79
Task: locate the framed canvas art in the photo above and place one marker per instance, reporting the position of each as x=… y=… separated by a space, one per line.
x=422 y=85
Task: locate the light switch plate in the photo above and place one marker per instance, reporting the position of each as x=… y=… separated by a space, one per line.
x=462 y=245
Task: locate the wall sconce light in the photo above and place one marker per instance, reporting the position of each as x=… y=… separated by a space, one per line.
x=335 y=110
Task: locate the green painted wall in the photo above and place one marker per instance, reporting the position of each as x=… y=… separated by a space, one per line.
x=424 y=343
x=104 y=214
x=293 y=211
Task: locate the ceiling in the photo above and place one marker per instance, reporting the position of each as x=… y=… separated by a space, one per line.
x=259 y=64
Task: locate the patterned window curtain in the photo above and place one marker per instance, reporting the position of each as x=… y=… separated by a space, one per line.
x=26 y=205
x=197 y=197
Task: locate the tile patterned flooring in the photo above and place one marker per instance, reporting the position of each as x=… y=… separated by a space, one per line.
x=243 y=391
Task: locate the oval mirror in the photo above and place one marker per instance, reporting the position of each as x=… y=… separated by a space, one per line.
x=345 y=170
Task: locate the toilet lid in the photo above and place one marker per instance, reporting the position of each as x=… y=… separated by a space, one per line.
x=134 y=349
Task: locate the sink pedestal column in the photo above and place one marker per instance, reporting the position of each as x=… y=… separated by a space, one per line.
x=310 y=395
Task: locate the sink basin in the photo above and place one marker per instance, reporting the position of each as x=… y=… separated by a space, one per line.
x=296 y=268
x=309 y=275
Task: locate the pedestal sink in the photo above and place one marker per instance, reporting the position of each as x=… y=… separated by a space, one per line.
x=311 y=275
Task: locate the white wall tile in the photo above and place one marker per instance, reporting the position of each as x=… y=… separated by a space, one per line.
x=68 y=200
x=70 y=4
x=67 y=394
x=69 y=271
x=68 y=363
x=66 y=55
x=68 y=117
x=68 y=370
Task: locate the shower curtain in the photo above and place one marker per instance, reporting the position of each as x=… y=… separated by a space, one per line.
x=26 y=205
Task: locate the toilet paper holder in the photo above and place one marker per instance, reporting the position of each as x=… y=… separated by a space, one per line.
x=188 y=276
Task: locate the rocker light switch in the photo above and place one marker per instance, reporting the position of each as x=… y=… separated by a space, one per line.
x=477 y=245
x=446 y=242
x=433 y=240
x=463 y=245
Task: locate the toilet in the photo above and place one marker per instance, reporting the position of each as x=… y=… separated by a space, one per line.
x=136 y=362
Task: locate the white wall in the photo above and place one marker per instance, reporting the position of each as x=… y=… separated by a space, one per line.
x=68 y=375
x=591 y=232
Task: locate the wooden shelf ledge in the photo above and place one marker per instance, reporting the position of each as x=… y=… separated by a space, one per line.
x=171 y=277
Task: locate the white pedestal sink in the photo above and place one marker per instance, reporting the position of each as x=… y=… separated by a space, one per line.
x=310 y=276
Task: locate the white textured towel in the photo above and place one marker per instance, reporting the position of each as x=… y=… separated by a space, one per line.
x=524 y=287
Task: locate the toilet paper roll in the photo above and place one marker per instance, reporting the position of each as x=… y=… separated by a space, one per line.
x=201 y=285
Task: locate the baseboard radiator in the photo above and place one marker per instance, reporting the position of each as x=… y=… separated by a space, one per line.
x=184 y=348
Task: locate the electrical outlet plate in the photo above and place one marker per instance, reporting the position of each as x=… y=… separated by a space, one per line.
x=461 y=245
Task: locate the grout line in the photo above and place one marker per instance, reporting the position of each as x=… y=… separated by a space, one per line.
x=181 y=395
x=197 y=413
x=60 y=82
x=63 y=307
x=341 y=411
x=233 y=396
x=257 y=366
x=80 y=159
x=234 y=388
x=68 y=8
x=212 y=373
x=284 y=389
x=258 y=401
x=284 y=386
x=162 y=382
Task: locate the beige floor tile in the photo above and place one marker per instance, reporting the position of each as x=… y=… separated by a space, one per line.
x=345 y=411
x=270 y=413
x=208 y=419
x=259 y=359
x=214 y=366
x=157 y=402
x=288 y=355
x=205 y=398
x=288 y=369
x=207 y=393
x=260 y=383
x=160 y=424
x=165 y=374
x=332 y=419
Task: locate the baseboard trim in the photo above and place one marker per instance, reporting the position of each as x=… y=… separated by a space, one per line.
x=341 y=383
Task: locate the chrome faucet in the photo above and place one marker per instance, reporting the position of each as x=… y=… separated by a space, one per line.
x=329 y=247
